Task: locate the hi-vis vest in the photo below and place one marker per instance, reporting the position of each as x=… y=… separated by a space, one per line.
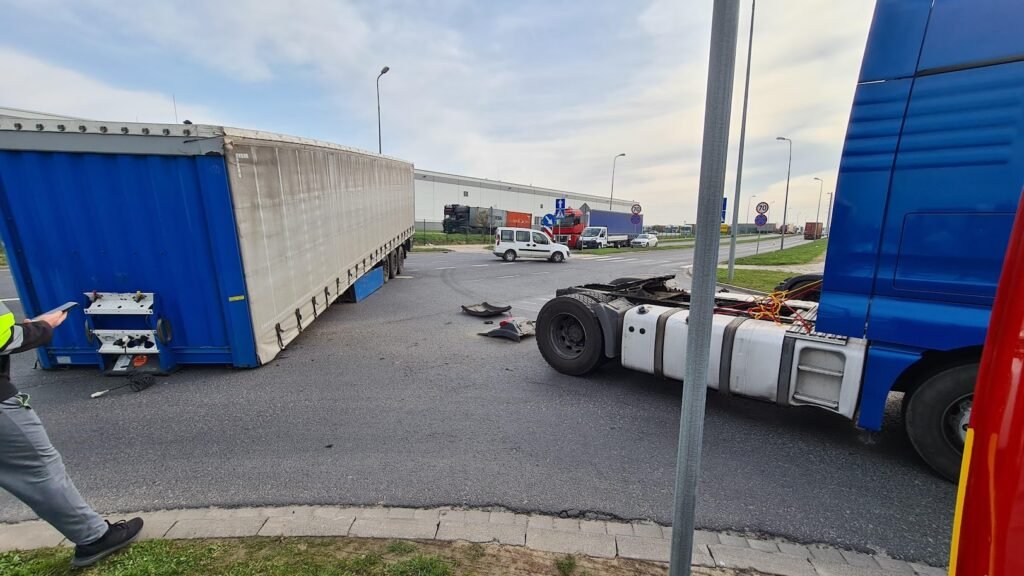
x=10 y=333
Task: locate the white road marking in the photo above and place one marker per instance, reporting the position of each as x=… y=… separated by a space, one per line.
x=479 y=265
x=538 y=273
x=512 y=276
x=628 y=259
x=446 y=268
x=10 y=299
x=405 y=277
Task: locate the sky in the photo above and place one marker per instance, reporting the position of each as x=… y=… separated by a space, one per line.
x=542 y=92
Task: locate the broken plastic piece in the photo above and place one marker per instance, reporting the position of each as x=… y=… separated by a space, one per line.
x=513 y=329
x=485 y=310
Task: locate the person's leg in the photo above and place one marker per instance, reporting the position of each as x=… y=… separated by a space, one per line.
x=32 y=470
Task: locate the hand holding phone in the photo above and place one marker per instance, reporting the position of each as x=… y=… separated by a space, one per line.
x=56 y=316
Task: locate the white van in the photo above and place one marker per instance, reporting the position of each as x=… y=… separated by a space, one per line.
x=512 y=243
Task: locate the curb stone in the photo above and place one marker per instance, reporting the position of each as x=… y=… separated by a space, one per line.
x=641 y=540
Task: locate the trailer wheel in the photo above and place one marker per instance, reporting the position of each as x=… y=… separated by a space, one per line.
x=569 y=335
x=936 y=415
x=557 y=257
x=509 y=256
x=393 y=260
x=399 y=260
x=385 y=266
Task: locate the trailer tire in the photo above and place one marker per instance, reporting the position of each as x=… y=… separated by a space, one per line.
x=935 y=415
x=385 y=266
x=509 y=256
x=399 y=260
x=557 y=257
x=569 y=335
x=393 y=257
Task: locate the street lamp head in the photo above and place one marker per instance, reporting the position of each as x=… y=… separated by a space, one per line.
x=384 y=70
x=780 y=138
x=622 y=154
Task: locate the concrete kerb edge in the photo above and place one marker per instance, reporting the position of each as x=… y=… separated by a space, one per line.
x=600 y=538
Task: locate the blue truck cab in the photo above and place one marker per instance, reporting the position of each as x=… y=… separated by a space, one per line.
x=930 y=178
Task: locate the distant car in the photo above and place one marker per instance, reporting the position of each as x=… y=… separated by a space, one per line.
x=511 y=244
x=645 y=241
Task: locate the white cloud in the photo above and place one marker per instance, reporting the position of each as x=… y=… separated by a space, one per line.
x=33 y=84
x=471 y=97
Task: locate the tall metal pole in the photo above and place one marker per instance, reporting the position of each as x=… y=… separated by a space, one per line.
x=743 y=139
x=717 y=108
x=785 y=203
x=383 y=71
x=828 y=215
x=748 y=205
x=817 y=215
x=612 y=195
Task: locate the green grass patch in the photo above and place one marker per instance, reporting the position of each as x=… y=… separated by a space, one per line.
x=429 y=249
x=319 y=557
x=760 y=280
x=442 y=239
x=801 y=254
x=673 y=246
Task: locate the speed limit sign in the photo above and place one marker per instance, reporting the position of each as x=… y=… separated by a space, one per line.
x=762 y=207
x=635 y=209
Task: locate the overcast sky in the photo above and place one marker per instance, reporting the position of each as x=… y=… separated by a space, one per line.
x=541 y=92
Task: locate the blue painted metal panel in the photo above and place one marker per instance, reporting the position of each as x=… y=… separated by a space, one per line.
x=616 y=222
x=964 y=32
x=368 y=284
x=957 y=181
x=884 y=365
x=863 y=185
x=894 y=42
x=79 y=222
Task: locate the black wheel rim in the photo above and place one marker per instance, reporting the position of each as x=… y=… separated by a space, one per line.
x=568 y=336
x=955 y=420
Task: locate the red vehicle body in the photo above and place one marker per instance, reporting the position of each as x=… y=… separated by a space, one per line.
x=567 y=230
x=988 y=528
x=518 y=219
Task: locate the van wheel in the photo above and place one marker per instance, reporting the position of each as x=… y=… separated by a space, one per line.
x=569 y=335
x=509 y=256
x=557 y=257
x=936 y=415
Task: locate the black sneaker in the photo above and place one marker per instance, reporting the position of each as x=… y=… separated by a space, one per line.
x=119 y=535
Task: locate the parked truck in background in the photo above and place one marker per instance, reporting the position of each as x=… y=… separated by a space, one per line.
x=461 y=219
x=618 y=228
x=813 y=230
x=930 y=177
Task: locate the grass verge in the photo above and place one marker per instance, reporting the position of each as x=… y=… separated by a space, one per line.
x=674 y=246
x=801 y=254
x=760 y=280
x=319 y=557
x=429 y=249
x=442 y=239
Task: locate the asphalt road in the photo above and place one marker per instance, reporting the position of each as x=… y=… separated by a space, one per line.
x=397 y=400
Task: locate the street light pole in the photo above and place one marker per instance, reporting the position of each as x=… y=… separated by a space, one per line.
x=713 y=164
x=612 y=195
x=383 y=71
x=739 y=159
x=828 y=215
x=785 y=203
x=817 y=215
x=748 y=205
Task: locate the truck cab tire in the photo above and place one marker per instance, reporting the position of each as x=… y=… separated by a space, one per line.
x=569 y=335
x=936 y=414
x=557 y=257
x=509 y=256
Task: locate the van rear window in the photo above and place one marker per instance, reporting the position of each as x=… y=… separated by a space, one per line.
x=522 y=236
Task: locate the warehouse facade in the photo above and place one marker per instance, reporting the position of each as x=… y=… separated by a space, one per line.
x=436 y=189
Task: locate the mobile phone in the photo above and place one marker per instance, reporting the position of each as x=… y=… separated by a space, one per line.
x=63 y=307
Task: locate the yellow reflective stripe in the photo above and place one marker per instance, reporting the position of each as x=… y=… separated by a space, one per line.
x=6 y=323
x=961 y=493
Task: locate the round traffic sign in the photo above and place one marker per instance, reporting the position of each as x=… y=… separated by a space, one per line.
x=762 y=207
x=636 y=219
x=635 y=209
x=760 y=220
x=548 y=220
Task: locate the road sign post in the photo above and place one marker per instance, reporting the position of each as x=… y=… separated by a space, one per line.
x=717 y=109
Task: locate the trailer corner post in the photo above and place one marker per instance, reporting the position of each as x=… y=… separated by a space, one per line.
x=722 y=64
x=739 y=154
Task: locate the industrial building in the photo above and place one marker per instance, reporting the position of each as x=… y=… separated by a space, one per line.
x=435 y=189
